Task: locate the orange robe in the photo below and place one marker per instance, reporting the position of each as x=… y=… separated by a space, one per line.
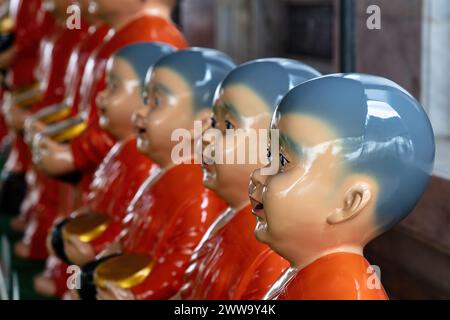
x=231 y=264
x=338 y=276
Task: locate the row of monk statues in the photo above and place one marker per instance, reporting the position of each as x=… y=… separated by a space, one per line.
x=98 y=178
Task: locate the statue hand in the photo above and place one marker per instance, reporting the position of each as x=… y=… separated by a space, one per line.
x=78 y=252
x=112 y=249
x=51 y=157
x=15 y=116
x=114 y=292
x=7 y=57
x=33 y=127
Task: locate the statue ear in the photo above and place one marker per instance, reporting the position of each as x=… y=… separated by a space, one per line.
x=355 y=201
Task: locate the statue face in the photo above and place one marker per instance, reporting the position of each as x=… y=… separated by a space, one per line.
x=238 y=108
x=120 y=99
x=170 y=107
x=301 y=209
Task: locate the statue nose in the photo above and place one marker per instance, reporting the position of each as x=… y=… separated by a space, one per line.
x=257 y=184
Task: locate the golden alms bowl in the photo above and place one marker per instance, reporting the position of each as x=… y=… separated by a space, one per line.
x=7 y=36
x=48 y=116
x=86 y=227
x=53 y=114
x=6 y=25
x=66 y=130
x=126 y=271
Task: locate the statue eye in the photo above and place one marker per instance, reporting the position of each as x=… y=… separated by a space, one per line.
x=157 y=101
x=146 y=99
x=269 y=154
x=213 y=122
x=283 y=160
x=228 y=125
x=112 y=85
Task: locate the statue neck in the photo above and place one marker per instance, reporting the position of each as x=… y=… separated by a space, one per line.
x=301 y=260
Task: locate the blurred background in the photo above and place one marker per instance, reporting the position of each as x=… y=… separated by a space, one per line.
x=412 y=48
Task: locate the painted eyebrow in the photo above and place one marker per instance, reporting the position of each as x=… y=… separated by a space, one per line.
x=163 y=89
x=287 y=142
x=113 y=77
x=228 y=108
x=233 y=110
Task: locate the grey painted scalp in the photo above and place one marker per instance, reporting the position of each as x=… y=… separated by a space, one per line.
x=270 y=78
x=142 y=56
x=203 y=69
x=384 y=132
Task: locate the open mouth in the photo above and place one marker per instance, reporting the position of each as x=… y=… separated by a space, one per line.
x=207 y=162
x=257 y=207
x=209 y=172
x=141 y=131
x=102 y=109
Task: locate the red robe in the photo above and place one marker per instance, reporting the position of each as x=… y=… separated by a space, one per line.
x=32 y=25
x=90 y=148
x=55 y=54
x=166 y=222
x=95 y=141
x=115 y=184
x=54 y=61
x=338 y=276
x=56 y=269
x=230 y=264
x=77 y=63
x=28 y=32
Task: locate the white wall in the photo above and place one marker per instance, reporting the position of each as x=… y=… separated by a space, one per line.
x=436 y=64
